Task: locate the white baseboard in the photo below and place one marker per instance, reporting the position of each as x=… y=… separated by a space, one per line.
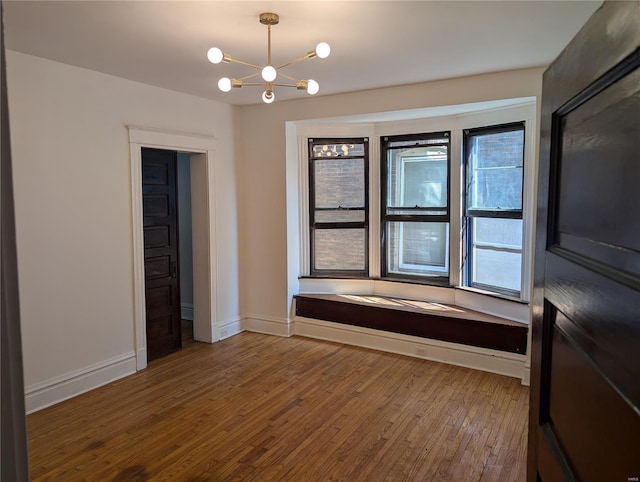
x=509 y=364
x=186 y=311
x=268 y=325
x=229 y=328
x=58 y=389
x=526 y=377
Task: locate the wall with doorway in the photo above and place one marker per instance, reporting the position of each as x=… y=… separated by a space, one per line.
x=73 y=216
x=184 y=235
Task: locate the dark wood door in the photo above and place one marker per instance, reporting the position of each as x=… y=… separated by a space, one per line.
x=162 y=291
x=585 y=388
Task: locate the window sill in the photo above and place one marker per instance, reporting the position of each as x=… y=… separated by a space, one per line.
x=433 y=281
x=492 y=294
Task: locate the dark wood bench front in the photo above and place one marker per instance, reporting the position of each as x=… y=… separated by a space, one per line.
x=418 y=318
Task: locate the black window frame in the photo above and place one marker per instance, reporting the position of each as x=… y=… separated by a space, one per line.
x=313 y=225
x=469 y=214
x=385 y=217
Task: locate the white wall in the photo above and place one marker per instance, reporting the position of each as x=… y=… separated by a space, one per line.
x=73 y=212
x=261 y=151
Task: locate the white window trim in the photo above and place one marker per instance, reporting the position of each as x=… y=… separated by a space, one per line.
x=488 y=302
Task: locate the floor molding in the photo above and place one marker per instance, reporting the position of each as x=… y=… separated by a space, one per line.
x=58 y=389
x=267 y=324
x=503 y=363
x=230 y=327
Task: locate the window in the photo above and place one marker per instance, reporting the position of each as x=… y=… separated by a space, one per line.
x=494 y=159
x=339 y=207
x=415 y=207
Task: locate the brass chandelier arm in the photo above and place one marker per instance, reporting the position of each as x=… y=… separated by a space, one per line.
x=309 y=55
x=275 y=84
x=235 y=61
x=288 y=77
x=249 y=77
x=284 y=85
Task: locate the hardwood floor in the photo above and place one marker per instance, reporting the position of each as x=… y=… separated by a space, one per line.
x=259 y=407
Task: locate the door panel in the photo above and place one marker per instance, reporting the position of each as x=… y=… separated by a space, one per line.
x=587 y=414
x=162 y=291
x=585 y=390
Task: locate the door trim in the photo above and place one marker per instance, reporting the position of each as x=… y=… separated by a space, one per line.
x=205 y=323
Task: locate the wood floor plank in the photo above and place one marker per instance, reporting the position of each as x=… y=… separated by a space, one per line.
x=257 y=407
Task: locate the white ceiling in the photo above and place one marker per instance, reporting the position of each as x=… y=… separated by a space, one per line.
x=374 y=43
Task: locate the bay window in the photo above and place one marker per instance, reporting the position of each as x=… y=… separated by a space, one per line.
x=428 y=203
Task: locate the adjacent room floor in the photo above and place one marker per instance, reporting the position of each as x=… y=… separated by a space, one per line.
x=259 y=407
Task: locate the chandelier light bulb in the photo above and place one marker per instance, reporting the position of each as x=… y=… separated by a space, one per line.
x=224 y=84
x=269 y=73
x=215 y=55
x=323 y=50
x=312 y=87
x=268 y=97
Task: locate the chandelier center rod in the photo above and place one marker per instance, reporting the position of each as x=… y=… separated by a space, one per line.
x=269 y=44
x=269 y=19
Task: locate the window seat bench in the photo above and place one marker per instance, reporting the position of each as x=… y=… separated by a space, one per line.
x=417 y=318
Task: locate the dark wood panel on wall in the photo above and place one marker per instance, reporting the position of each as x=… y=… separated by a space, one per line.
x=600 y=173
x=158 y=296
x=460 y=325
x=160 y=227
x=585 y=396
x=155 y=205
x=601 y=315
x=579 y=392
x=157 y=237
x=156 y=174
x=157 y=267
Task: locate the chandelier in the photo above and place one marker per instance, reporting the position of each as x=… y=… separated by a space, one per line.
x=269 y=73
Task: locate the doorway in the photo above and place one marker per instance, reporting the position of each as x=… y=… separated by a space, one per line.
x=166 y=204
x=204 y=253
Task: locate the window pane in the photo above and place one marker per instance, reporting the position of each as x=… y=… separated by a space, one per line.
x=339 y=249
x=340 y=216
x=336 y=150
x=497 y=268
x=339 y=182
x=417 y=177
x=497 y=232
x=495 y=170
x=418 y=248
